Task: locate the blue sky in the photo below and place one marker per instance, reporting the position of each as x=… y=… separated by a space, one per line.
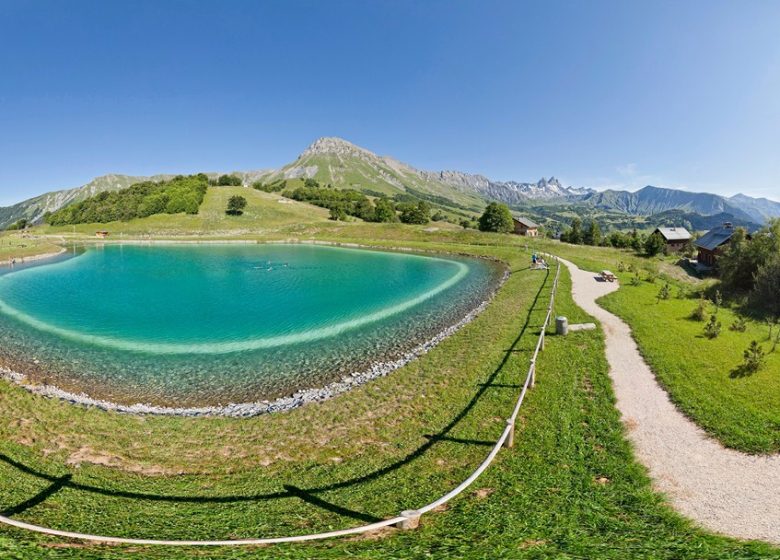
x=600 y=94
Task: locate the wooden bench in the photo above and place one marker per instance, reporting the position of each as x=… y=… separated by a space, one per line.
x=608 y=276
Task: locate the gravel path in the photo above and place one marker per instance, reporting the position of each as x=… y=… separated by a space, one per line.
x=726 y=491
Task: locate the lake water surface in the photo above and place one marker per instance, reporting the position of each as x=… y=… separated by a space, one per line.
x=200 y=325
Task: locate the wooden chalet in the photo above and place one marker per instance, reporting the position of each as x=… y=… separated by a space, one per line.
x=524 y=226
x=710 y=245
x=676 y=237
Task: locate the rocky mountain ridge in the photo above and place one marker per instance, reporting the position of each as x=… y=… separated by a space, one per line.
x=343 y=164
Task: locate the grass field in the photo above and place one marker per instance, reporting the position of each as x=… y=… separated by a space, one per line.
x=570 y=488
x=701 y=375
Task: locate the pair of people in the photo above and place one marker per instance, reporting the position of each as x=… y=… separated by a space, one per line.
x=538 y=262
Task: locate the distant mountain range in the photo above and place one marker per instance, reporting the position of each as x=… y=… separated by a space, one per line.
x=344 y=165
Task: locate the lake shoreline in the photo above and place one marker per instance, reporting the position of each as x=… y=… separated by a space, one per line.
x=280 y=404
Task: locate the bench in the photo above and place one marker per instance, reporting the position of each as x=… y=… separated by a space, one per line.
x=608 y=276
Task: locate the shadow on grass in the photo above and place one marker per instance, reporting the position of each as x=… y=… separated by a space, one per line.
x=742 y=370
x=289 y=491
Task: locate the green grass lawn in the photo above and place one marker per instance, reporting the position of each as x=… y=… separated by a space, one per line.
x=569 y=489
x=701 y=374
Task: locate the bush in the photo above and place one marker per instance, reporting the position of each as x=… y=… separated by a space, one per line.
x=663 y=293
x=740 y=325
x=754 y=358
x=636 y=280
x=496 y=218
x=712 y=329
x=236 y=205
x=700 y=313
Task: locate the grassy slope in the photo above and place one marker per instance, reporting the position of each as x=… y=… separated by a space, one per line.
x=264 y=212
x=742 y=412
x=570 y=488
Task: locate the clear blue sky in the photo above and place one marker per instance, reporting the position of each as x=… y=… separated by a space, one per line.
x=620 y=94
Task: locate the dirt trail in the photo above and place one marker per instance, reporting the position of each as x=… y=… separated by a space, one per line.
x=726 y=491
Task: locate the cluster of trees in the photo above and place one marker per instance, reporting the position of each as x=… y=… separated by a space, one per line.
x=180 y=194
x=579 y=234
x=274 y=186
x=752 y=267
x=20 y=224
x=590 y=233
x=349 y=202
x=228 y=181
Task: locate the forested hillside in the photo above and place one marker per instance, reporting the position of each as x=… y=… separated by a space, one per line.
x=182 y=194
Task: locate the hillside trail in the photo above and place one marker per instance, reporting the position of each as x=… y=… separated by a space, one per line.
x=724 y=490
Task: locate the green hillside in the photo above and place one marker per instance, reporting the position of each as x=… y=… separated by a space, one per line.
x=264 y=211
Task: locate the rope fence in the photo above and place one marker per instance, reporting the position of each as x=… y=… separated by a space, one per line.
x=408 y=519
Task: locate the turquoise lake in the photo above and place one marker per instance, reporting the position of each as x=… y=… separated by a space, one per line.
x=204 y=325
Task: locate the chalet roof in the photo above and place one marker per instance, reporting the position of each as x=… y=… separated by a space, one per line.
x=715 y=237
x=522 y=220
x=674 y=233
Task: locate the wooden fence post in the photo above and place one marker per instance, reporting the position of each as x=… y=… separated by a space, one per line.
x=510 y=440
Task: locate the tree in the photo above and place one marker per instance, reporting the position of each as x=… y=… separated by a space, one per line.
x=496 y=218
x=364 y=210
x=338 y=213
x=574 y=234
x=766 y=293
x=236 y=205
x=419 y=213
x=712 y=329
x=743 y=257
x=754 y=358
x=229 y=181
x=592 y=233
x=663 y=293
x=384 y=211
x=20 y=224
x=654 y=244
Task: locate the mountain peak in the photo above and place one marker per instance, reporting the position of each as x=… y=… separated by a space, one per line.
x=333 y=145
